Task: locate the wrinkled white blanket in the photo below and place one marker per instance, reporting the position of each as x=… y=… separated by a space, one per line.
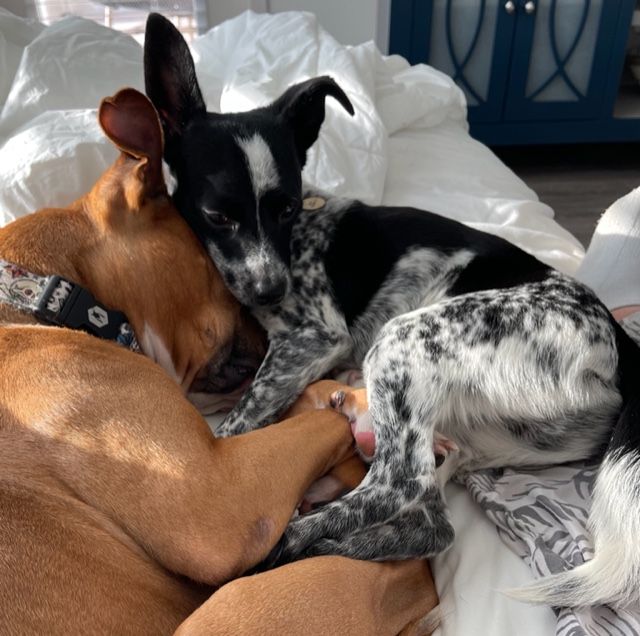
x=407 y=144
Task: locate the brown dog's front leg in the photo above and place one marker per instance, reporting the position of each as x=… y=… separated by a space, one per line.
x=269 y=470
x=122 y=439
x=323 y=595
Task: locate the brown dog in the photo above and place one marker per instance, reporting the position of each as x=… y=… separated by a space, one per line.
x=119 y=511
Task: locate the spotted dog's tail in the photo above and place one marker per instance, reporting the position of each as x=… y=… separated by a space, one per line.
x=613 y=575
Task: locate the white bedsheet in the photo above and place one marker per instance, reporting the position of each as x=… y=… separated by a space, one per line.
x=407 y=144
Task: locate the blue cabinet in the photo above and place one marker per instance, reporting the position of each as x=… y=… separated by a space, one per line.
x=471 y=41
x=533 y=71
x=560 y=59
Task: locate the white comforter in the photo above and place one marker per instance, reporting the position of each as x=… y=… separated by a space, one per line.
x=407 y=144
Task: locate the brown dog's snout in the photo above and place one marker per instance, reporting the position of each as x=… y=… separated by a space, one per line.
x=216 y=378
x=237 y=363
x=252 y=338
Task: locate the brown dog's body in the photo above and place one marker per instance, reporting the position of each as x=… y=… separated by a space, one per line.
x=119 y=512
x=106 y=492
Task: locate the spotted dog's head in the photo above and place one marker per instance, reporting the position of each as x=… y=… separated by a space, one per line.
x=239 y=174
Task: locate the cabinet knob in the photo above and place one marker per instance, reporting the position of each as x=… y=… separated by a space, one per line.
x=529 y=7
x=510 y=7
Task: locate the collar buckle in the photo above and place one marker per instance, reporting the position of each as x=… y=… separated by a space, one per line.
x=65 y=304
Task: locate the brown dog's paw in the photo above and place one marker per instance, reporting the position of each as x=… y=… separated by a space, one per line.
x=354 y=404
x=316 y=396
x=343 y=477
x=350 y=402
x=336 y=399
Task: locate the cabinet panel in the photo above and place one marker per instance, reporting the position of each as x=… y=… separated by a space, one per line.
x=554 y=65
x=462 y=43
x=560 y=55
x=470 y=40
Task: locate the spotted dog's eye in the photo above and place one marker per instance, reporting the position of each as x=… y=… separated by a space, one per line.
x=289 y=211
x=220 y=220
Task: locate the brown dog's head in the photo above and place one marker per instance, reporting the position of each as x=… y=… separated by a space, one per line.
x=145 y=261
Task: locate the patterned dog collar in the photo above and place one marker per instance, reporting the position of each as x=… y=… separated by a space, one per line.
x=57 y=301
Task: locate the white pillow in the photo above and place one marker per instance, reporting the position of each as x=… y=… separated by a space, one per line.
x=51 y=162
x=15 y=34
x=71 y=64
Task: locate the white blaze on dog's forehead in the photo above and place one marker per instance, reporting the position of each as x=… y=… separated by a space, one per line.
x=261 y=164
x=262 y=260
x=257 y=261
x=154 y=348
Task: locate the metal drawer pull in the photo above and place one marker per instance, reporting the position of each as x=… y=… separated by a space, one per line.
x=530 y=7
x=510 y=7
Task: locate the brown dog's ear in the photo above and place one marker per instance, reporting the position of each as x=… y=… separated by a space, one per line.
x=131 y=122
x=302 y=108
x=170 y=76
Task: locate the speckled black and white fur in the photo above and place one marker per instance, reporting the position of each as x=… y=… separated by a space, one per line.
x=457 y=331
x=522 y=374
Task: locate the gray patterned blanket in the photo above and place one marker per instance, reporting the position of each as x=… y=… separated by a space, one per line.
x=541 y=515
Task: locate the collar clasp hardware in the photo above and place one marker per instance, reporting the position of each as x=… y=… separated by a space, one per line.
x=76 y=308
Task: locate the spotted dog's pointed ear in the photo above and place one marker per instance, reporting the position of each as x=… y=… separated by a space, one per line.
x=170 y=76
x=301 y=107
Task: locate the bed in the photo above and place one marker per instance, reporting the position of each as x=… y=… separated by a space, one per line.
x=408 y=144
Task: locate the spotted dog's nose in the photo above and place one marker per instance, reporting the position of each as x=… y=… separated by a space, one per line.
x=267 y=294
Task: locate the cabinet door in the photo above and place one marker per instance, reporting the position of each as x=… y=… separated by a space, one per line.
x=560 y=56
x=470 y=40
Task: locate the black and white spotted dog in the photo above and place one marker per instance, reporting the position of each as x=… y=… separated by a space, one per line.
x=456 y=330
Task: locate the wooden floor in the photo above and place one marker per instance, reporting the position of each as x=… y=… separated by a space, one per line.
x=578 y=182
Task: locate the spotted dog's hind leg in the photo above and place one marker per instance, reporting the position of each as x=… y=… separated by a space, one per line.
x=411 y=533
x=398 y=511
x=354 y=404
x=513 y=381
